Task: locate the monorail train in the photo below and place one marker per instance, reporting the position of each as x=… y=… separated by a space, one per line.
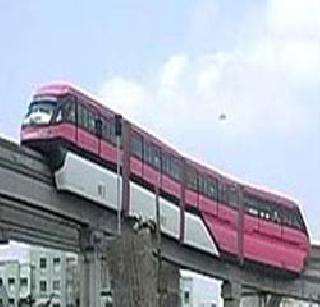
x=200 y=207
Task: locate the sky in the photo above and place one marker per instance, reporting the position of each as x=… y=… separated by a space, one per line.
x=174 y=67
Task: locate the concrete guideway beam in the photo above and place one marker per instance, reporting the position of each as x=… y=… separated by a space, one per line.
x=23 y=192
x=20 y=222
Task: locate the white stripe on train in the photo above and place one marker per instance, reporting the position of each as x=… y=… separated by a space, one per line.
x=94 y=182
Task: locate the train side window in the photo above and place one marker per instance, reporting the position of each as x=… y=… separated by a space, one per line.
x=91 y=122
x=268 y=212
x=205 y=186
x=106 y=129
x=175 y=168
x=165 y=160
x=82 y=115
x=147 y=154
x=113 y=131
x=192 y=180
x=264 y=209
x=261 y=209
x=98 y=127
x=285 y=219
x=155 y=152
x=251 y=205
x=247 y=202
x=212 y=189
x=292 y=219
x=69 y=111
x=233 y=197
x=299 y=219
x=253 y=211
x=201 y=180
x=275 y=214
x=171 y=166
x=137 y=145
x=85 y=118
x=222 y=192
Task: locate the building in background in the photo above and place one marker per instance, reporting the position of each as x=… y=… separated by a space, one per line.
x=56 y=277
x=186 y=288
x=208 y=304
x=43 y=274
x=199 y=291
x=254 y=302
x=15 y=283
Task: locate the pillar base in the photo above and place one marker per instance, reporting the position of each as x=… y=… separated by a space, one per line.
x=134 y=273
x=231 y=294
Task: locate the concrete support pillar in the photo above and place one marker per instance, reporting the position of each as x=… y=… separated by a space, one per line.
x=262 y=300
x=170 y=285
x=90 y=279
x=90 y=273
x=95 y=278
x=84 y=280
x=231 y=303
x=231 y=294
x=274 y=301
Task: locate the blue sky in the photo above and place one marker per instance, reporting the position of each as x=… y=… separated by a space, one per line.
x=174 y=67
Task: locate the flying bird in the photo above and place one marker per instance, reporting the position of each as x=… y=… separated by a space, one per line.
x=222 y=116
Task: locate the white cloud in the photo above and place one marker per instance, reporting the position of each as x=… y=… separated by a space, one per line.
x=260 y=86
x=291 y=41
x=257 y=101
x=298 y=17
x=173 y=70
x=299 y=59
x=124 y=96
x=209 y=71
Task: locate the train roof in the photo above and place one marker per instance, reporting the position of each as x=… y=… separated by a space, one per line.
x=62 y=88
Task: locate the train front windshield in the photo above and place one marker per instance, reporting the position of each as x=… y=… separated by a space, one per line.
x=41 y=111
